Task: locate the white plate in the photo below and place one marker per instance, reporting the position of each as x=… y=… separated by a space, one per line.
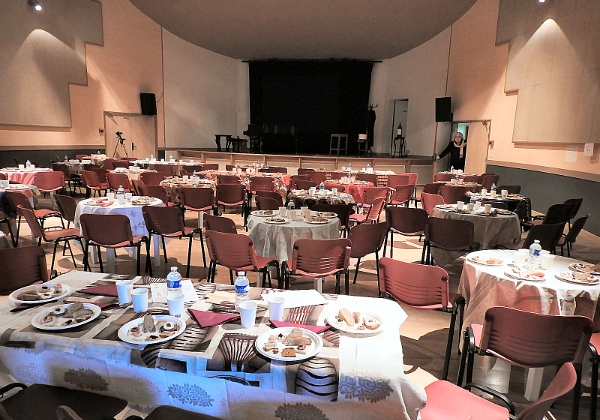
x=341 y=325
x=583 y=268
x=276 y=221
x=145 y=337
x=56 y=325
x=311 y=350
x=327 y=215
x=517 y=275
x=261 y=213
x=484 y=261
x=316 y=222
x=14 y=296
x=569 y=277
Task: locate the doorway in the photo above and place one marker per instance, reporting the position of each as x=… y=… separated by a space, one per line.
x=130 y=135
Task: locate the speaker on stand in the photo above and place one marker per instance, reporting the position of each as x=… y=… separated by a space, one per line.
x=443 y=109
x=148 y=102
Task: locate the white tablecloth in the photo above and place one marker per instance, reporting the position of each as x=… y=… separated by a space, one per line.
x=365 y=374
x=277 y=240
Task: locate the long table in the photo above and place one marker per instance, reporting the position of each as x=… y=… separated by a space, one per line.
x=355 y=377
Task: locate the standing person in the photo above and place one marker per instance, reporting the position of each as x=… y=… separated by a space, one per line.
x=457 y=150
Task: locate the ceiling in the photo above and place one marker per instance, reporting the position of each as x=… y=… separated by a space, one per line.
x=305 y=29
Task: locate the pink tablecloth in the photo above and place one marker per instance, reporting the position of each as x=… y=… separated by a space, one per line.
x=24 y=176
x=355 y=190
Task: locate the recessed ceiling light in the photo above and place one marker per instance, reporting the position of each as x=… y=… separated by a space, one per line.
x=36 y=6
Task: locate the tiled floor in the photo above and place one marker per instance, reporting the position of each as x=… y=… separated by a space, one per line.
x=424 y=333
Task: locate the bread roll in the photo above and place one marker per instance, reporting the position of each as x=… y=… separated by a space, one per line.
x=346 y=316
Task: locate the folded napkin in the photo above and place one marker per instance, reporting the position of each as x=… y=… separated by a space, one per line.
x=314 y=328
x=104 y=290
x=106 y=204
x=210 y=319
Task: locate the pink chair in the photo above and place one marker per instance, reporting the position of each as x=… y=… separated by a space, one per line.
x=367 y=239
x=116 y=180
x=92 y=183
x=50 y=181
x=404 y=221
x=439 y=177
x=373 y=214
x=401 y=195
x=398 y=179
x=429 y=201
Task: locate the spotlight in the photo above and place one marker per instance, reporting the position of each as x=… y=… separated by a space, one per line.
x=36 y=6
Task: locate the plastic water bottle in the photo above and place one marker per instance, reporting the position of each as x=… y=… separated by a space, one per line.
x=535 y=251
x=121 y=195
x=173 y=281
x=322 y=186
x=291 y=205
x=28 y=163
x=242 y=289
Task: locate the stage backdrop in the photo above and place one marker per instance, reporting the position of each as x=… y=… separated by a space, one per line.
x=316 y=98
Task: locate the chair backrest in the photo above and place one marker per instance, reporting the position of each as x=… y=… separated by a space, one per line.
x=120 y=163
x=163 y=220
x=49 y=181
x=558 y=213
x=337 y=175
x=429 y=201
x=232 y=250
x=266 y=203
x=228 y=179
x=210 y=166
x=294 y=178
x=155 y=191
x=303 y=184
x=152 y=178
x=340 y=188
x=343 y=211
x=530 y=339
x=90 y=179
x=405 y=220
x=398 y=179
x=547 y=234
x=321 y=257
x=366 y=238
x=3 y=176
x=230 y=194
x=452 y=193
x=109 y=164
x=450 y=234
x=305 y=171
x=367 y=177
x=564 y=381
x=116 y=180
x=274 y=170
x=413 y=177
x=271 y=194
x=21 y=266
x=489 y=180
x=101 y=173
x=576 y=228
x=512 y=189
x=264 y=183
x=61 y=167
x=165 y=169
x=219 y=223
x=67 y=207
x=401 y=194
x=442 y=177
x=90 y=166
x=15 y=199
x=197 y=199
x=471 y=178
x=576 y=202
x=495 y=204
x=37 y=231
x=372 y=193
x=190 y=169
x=317 y=177
x=432 y=188
x=106 y=229
x=375 y=210
x=136 y=184
x=416 y=285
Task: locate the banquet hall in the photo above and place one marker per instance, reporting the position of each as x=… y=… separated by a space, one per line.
x=249 y=88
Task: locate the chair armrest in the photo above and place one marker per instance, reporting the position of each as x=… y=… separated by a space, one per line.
x=8 y=387
x=494 y=393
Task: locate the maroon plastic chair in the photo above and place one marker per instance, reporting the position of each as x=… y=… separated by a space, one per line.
x=317 y=259
x=404 y=221
x=16 y=199
x=340 y=188
x=343 y=212
x=271 y=194
x=401 y=195
x=50 y=181
x=429 y=201
x=422 y=287
x=92 y=183
x=237 y=253
x=274 y=170
x=337 y=175
x=191 y=169
x=232 y=196
x=367 y=177
x=471 y=178
x=431 y=188
x=152 y=178
x=303 y=184
x=111 y=231
x=317 y=177
x=266 y=203
x=292 y=185
x=444 y=397
x=55 y=235
x=372 y=193
x=447 y=234
x=452 y=193
x=156 y=191
x=67 y=207
x=529 y=340
x=373 y=214
x=367 y=239
x=440 y=177
x=489 y=180
x=305 y=171
x=398 y=179
x=261 y=183
x=228 y=179
x=219 y=223
x=164 y=168
x=90 y=166
x=197 y=199
x=71 y=180
x=135 y=184
x=116 y=180
x=21 y=267
x=210 y=166
x=167 y=222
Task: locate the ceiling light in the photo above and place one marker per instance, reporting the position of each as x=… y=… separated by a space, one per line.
x=36 y=6
x=542 y=1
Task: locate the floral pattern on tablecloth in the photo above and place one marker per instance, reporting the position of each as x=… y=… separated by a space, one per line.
x=299 y=411
x=86 y=379
x=365 y=388
x=190 y=394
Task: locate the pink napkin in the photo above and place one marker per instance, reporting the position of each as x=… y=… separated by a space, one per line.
x=105 y=290
x=314 y=328
x=210 y=319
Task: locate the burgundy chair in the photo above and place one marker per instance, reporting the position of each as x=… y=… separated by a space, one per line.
x=271 y=194
x=317 y=177
x=219 y=223
x=67 y=207
x=404 y=221
x=401 y=195
x=367 y=239
x=440 y=177
x=167 y=222
x=117 y=180
x=156 y=191
x=16 y=199
x=261 y=183
x=274 y=170
x=266 y=203
x=337 y=175
x=444 y=397
x=237 y=253
x=135 y=184
x=210 y=166
x=422 y=287
x=111 y=231
x=92 y=183
x=303 y=184
x=447 y=234
x=429 y=201
x=372 y=193
x=50 y=181
x=367 y=177
x=529 y=340
x=489 y=180
x=452 y=193
x=21 y=267
x=340 y=188
x=54 y=235
x=165 y=169
x=471 y=178
x=152 y=178
x=190 y=169
x=398 y=179
x=292 y=185
x=373 y=214
x=305 y=171
x=343 y=211
x=228 y=179
x=317 y=259
x=232 y=196
x=431 y=188
x=71 y=180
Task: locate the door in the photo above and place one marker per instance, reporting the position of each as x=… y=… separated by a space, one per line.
x=477 y=147
x=130 y=135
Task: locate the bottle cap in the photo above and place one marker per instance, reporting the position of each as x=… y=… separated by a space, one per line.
x=241 y=273
x=173 y=268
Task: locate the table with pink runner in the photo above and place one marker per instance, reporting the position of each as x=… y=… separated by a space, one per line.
x=22 y=176
x=355 y=189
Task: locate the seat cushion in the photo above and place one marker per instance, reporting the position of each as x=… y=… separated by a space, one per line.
x=172 y=413
x=448 y=401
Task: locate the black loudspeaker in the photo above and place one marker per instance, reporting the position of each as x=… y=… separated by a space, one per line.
x=148 y=101
x=443 y=109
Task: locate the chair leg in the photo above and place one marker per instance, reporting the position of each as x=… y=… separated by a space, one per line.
x=54 y=254
x=189 y=257
x=68 y=245
x=139 y=255
x=457 y=306
x=202 y=247
x=162 y=238
x=577 y=392
x=148 y=259
x=86 y=264
x=377 y=269
x=391 y=245
x=100 y=259
x=594 y=392
x=463 y=358
x=356 y=270
x=347 y=280
x=424 y=252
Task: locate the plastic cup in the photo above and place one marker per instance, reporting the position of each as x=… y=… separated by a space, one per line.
x=110 y=196
x=477 y=206
x=128 y=196
x=140 y=299
x=293 y=214
x=487 y=208
x=124 y=289
x=483 y=192
x=334 y=191
x=470 y=207
x=504 y=193
x=546 y=261
x=460 y=205
x=175 y=304
x=276 y=304
x=248 y=314
x=4 y=182
x=21 y=166
x=520 y=257
x=282 y=211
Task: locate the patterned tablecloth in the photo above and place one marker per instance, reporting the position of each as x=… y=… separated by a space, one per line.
x=303 y=198
x=356 y=190
x=281 y=180
x=173 y=186
x=352 y=377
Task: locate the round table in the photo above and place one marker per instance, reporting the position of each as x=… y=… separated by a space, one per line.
x=355 y=189
x=277 y=240
x=515 y=202
x=299 y=197
x=22 y=176
x=173 y=186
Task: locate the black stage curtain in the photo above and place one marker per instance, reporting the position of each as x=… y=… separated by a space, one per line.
x=317 y=98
